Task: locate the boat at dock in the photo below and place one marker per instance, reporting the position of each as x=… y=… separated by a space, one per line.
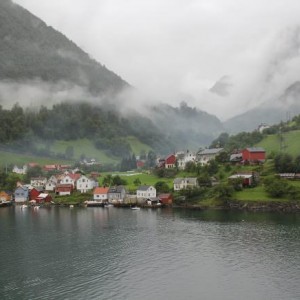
x=94 y=204
x=4 y=203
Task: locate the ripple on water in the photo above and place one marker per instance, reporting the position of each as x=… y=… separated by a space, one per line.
x=118 y=254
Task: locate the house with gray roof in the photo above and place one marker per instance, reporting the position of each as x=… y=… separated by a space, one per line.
x=185 y=183
x=146 y=191
x=204 y=156
x=116 y=193
x=21 y=194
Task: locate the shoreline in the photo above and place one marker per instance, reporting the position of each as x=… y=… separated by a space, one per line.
x=229 y=205
x=236 y=205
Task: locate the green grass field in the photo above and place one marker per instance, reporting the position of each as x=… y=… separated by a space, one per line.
x=146 y=179
x=81 y=147
x=291 y=140
x=8 y=158
x=137 y=146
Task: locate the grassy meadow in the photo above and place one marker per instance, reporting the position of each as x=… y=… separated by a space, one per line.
x=291 y=141
x=145 y=178
x=81 y=147
x=9 y=158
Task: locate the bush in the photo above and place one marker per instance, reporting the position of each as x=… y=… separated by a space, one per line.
x=275 y=187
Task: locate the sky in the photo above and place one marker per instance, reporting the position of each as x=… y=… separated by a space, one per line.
x=222 y=56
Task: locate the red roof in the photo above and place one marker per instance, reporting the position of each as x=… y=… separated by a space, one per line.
x=64 y=187
x=32 y=165
x=50 y=167
x=140 y=164
x=170 y=160
x=166 y=198
x=75 y=176
x=101 y=190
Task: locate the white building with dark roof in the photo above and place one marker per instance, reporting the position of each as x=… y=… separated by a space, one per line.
x=185 y=183
x=146 y=191
x=204 y=156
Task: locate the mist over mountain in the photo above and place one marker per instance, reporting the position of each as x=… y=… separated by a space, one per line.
x=64 y=94
x=33 y=53
x=187 y=126
x=271 y=112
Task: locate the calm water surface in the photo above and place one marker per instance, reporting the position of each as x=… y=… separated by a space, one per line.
x=111 y=253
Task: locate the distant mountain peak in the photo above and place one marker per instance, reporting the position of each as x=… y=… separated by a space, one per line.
x=222 y=86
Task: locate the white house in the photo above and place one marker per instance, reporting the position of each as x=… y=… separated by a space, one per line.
x=21 y=171
x=185 y=183
x=204 y=156
x=146 y=191
x=38 y=181
x=184 y=158
x=70 y=179
x=50 y=185
x=101 y=194
x=84 y=184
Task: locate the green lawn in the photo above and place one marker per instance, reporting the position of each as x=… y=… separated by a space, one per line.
x=137 y=146
x=7 y=158
x=82 y=146
x=146 y=179
x=87 y=148
x=256 y=194
x=291 y=140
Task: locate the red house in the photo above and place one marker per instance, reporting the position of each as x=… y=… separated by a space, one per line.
x=140 y=164
x=170 y=161
x=64 y=189
x=166 y=199
x=34 y=193
x=43 y=198
x=254 y=155
x=48 y=168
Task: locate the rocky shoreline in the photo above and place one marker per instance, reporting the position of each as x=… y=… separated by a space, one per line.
x=273 y=206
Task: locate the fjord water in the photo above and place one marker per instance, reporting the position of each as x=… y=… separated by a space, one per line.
x=114 y=253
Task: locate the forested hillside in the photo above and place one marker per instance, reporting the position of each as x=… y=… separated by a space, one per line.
x=30 y=49
x=34 y=55
x=106 y=128
x=187 y=127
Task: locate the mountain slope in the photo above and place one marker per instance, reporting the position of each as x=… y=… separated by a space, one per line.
x=34 y=56
x=30 y=49
x=187 y=127
x=271 y=112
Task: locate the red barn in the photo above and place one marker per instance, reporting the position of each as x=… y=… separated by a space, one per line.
x=34 y=193
x=166 y=199
x=43 y=198
x=254 y=155
x=64 y=189
x=170 y=161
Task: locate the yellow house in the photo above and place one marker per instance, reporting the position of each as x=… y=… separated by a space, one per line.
x=4 y=197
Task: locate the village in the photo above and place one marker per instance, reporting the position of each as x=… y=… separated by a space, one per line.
x=66 y=181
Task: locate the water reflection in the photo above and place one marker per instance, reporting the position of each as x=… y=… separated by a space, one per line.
x=110 y=253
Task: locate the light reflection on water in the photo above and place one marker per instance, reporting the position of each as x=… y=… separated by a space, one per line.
x=110 y=253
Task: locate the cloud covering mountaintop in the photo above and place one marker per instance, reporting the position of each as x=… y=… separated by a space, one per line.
x=169 y=48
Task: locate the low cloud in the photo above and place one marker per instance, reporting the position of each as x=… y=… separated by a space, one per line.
x=167 y=49
x=34 y=93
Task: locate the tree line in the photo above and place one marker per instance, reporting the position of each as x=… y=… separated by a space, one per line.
x=108 y=129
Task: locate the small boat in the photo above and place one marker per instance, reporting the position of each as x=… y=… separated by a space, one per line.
x=93 y=203
x=36 y=207
x=135 y=208
x=24 y=206
x=108 y=205
x=71 y=206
